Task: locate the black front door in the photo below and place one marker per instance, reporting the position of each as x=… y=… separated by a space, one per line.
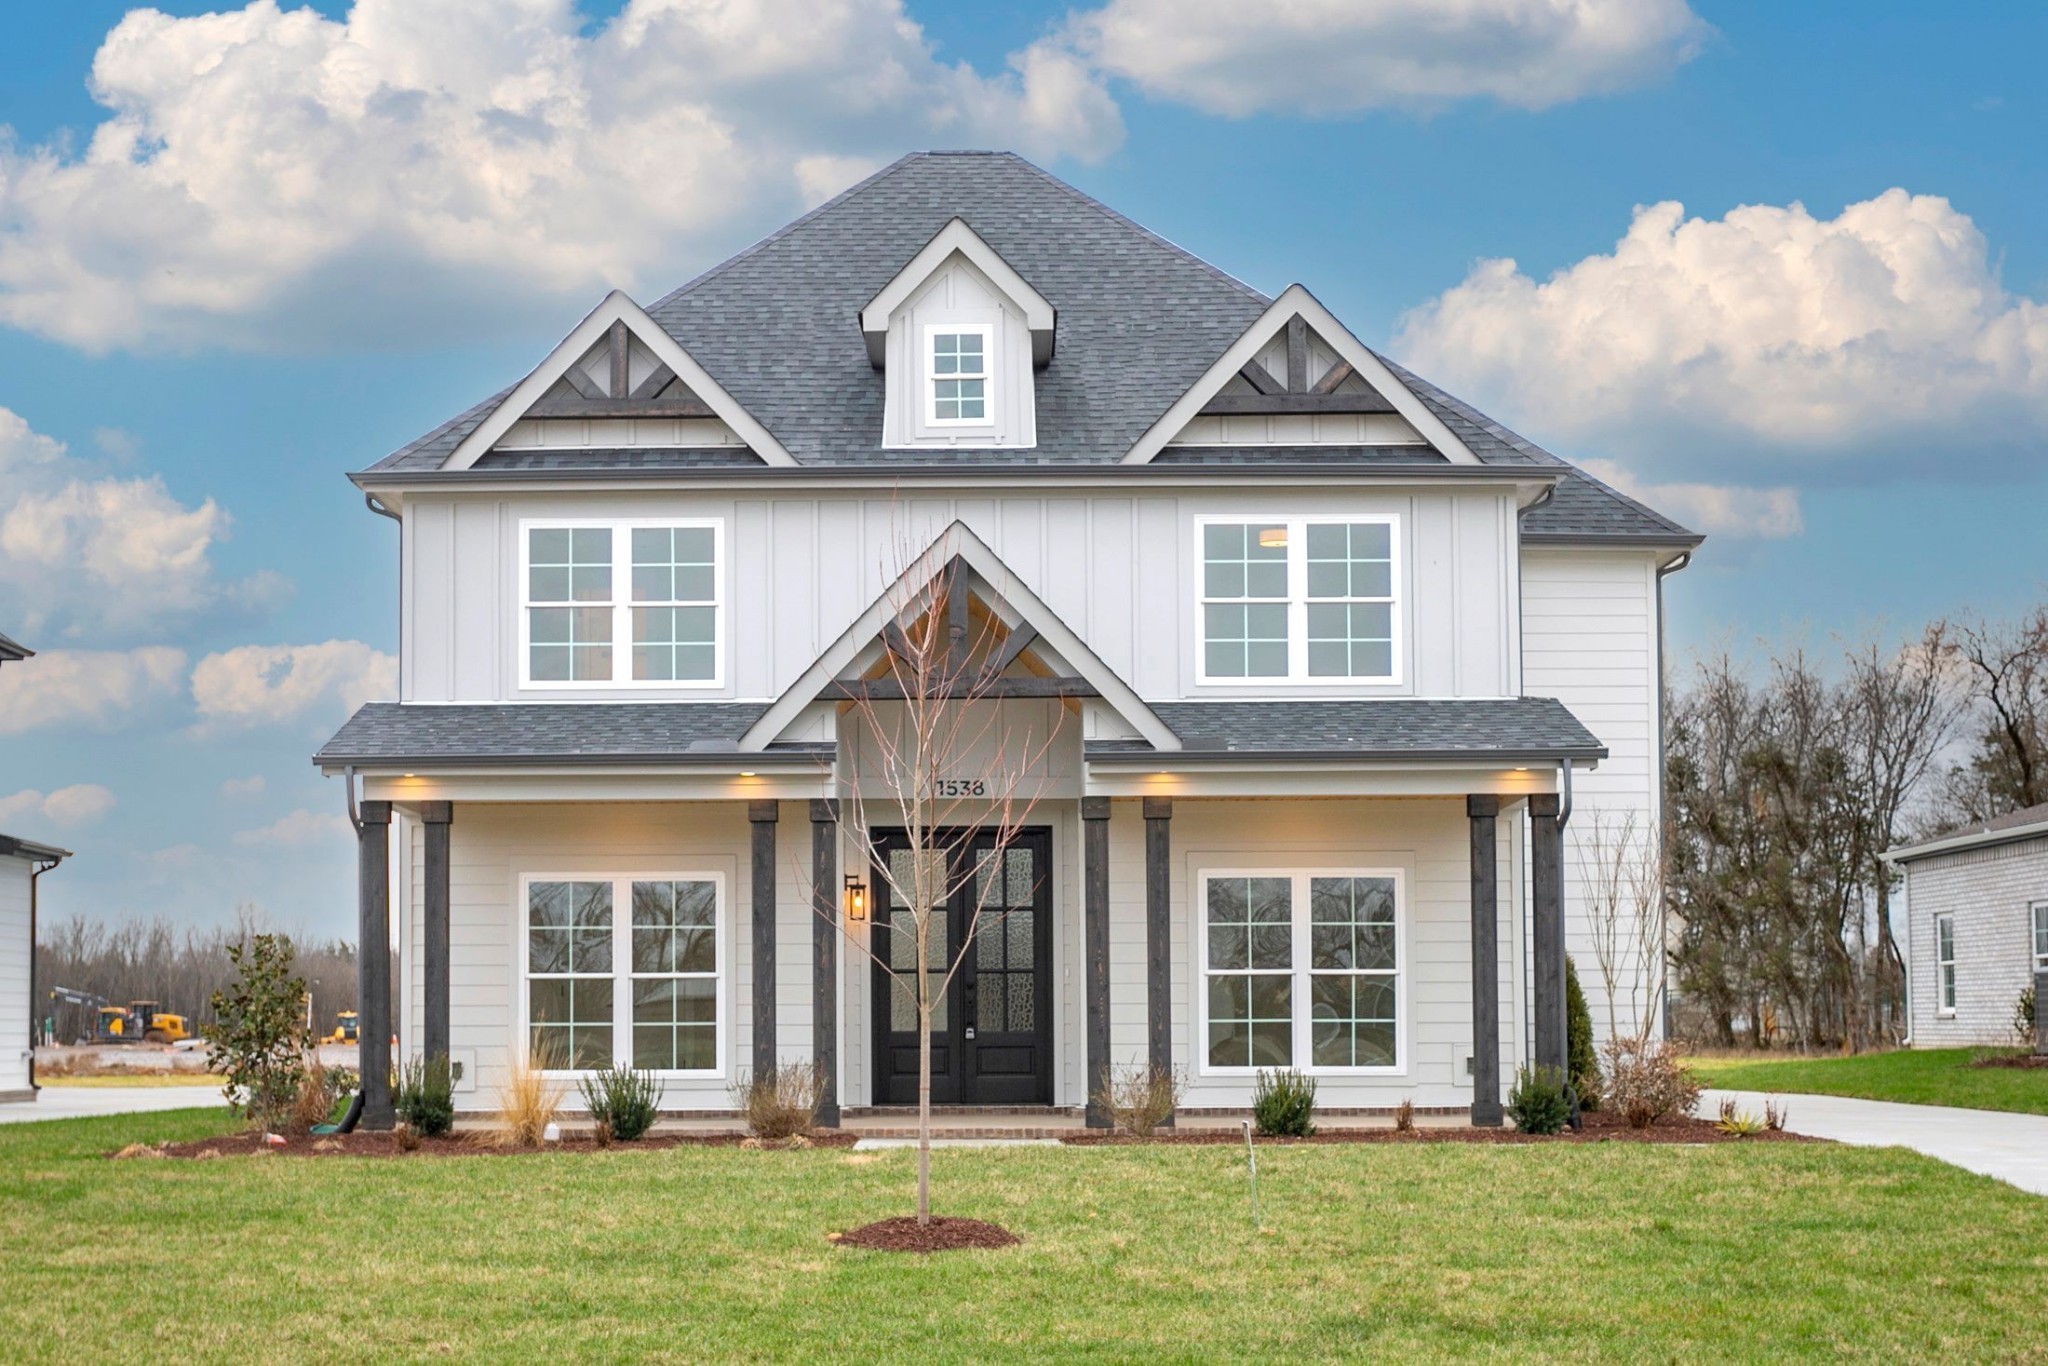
x=992 y=1028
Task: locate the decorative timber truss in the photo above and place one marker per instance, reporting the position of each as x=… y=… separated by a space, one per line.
x=1340 y=389
x=963 y=672
x=602 y=384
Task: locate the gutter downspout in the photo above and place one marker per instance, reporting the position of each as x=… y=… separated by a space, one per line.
x=35 y=874
x=1664 y=572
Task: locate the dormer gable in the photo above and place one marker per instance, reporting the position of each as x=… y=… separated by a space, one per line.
x=618 y=379
x=1297 y=377
x=958 y=335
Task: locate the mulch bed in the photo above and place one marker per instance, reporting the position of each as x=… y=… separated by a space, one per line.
x=905 y=1234
x=363 y=1143
x=2025 y=1062
x=1600 y=1127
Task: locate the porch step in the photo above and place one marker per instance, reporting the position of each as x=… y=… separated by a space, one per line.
x=957 y=1133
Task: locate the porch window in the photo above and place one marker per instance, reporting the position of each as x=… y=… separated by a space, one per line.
x=2041 y=936
x=1301 y=969
x=622 y=603
x=1297 y=599
x=1945 y=963
x=645 y=993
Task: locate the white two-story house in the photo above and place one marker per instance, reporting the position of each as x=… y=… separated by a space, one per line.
x=1319 y=663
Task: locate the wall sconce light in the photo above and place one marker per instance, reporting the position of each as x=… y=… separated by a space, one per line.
x=856 y=899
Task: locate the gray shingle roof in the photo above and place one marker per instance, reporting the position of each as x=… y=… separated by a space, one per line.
x=623 y=458
x=1335 y=456
x=10 y=649
x=385 y=733
x=2020 y=824
x=1403 y=728
x=13 y=846
x=1139 y=321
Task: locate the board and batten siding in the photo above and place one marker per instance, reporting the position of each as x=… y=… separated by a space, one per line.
x=14 y=974
x=1118 y=570
x=1589 y=639
x=1990 y=893
x=1427 y=839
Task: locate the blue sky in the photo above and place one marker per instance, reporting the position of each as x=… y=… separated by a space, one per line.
x=246 y=253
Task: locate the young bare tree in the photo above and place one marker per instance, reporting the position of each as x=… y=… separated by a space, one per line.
x=937 y=755
x=1623 y=873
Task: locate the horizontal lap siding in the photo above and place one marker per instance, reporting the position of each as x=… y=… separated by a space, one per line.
x=1990 y=892
x=1589 y=639
x=1428 y=839
x=492 y=847
x=14 y=973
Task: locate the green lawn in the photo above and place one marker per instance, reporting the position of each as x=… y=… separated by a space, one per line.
x=1433 y=1250
x=1931 y=1076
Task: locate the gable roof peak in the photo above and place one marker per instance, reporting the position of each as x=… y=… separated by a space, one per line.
x=957 y=238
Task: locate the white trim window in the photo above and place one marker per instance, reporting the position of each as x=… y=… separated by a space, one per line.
x=647 y=994
x=622 y=603
x=960 y=376
x=1298 y=599
x=1300 y=969
x=1945 y=964
x=2040 y=937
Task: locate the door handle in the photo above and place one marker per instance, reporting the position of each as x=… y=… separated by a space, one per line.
x=971 y=1016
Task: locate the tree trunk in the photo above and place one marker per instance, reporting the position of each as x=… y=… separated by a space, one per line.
x=924 y=1088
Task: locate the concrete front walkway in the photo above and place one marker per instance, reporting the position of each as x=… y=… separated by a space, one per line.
x=2010 y=1147
x=80 y=1102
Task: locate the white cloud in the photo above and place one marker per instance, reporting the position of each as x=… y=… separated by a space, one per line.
x=86 y=554
x=1341 y=56
x=255 y=685
x=101 y=688
x=1765 y=514
x=297 y=829
x=239 y=788
x=1883 y=329
x=268 y=176
x=79 y=804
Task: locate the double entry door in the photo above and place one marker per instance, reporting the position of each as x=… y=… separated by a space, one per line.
x=991 y=1028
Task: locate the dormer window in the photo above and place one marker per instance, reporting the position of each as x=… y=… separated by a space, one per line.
x=959 y=370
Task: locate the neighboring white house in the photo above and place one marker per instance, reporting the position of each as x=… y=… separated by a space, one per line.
x=1976 y=928
x=22 y=862
x=1327 y=668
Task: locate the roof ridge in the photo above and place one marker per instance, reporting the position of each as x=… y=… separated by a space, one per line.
x=787 y=228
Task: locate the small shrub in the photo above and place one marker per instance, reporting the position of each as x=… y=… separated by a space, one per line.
x=622 y=1100
x=1539 y=1102
x=1647 y=1081
x=408 y=1139
x=1738 y=1123
x=528 y=1100
x=601 y=1133
x=258 y=1040
x=315 y=1101
x=1140 y=1098
x=1284 y=1104
x=426 y=1096
x=1404 y=1116
x=1582 y=1062
x=2023 y=1017
x=781 y=1102
x=1775 y=1115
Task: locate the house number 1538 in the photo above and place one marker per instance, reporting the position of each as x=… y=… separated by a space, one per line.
x=961 y=787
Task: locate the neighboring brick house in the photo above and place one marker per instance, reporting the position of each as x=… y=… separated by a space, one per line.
x=1976 y=928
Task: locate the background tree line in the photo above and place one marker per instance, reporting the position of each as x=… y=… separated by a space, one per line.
x=1784 y=787
x=178 y=966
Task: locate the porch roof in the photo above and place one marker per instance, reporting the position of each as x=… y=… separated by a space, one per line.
x=1507 y=729
x=553 y=734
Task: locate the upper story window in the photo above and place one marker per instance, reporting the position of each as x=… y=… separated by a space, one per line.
x=957 y=357
x=1945 y=963
x=1298 y=599
x=622 y=603
x=2041 y=936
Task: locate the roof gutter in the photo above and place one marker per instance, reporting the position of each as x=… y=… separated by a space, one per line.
x=735 y=759
x=1978 y=839
x=980 y=474
x=1159 y=759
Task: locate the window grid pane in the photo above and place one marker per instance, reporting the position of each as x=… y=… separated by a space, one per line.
x=1251 y=987
x=959 y=377
x=675 y=975
x=1304 y=600
x=569 y=967
x=2041 y=937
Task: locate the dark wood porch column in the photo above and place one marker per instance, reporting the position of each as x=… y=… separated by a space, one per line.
x=762 y=818
x=373 y=961
x=1095 y=937
x=1483 y=811
x=1546 y=887
x=435 y=818
x=1159 y=933
x=825 y=955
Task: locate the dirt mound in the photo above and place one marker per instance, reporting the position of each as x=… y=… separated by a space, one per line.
x=940 y=1235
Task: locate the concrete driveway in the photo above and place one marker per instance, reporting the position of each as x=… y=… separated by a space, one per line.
x=79 y=1102
x=2013 y=1148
